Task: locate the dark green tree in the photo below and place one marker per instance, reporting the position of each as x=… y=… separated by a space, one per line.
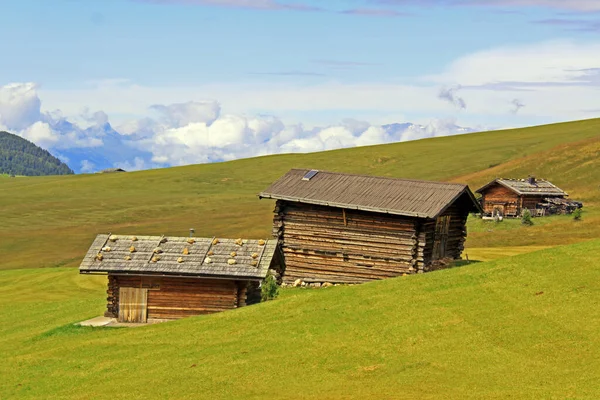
x=21 y=157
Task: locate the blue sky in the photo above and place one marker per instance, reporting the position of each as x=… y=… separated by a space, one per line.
x=307 y=65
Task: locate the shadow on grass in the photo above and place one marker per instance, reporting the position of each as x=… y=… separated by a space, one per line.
x=462 y=263
x=72 y=330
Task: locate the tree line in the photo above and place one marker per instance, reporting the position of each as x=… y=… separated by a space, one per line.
x=21 y=157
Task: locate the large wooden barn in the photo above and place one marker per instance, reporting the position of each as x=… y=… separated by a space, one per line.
x=335 y=227
x=157 y=277
x=510 y=197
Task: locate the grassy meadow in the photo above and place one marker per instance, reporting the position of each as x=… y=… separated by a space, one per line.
x=521 y=323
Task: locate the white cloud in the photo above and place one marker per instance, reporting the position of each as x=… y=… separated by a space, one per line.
x=19 y=106
x=87 y=166
x=557 y=78
x=137 y=164
x=182 y=114
x=187 y=133
x=41 y=134
x=176 y=127
x=555 y=62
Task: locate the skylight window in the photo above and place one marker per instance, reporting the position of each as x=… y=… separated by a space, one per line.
x=310 y=174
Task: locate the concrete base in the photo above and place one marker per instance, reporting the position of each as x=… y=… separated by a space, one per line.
x=98 y=321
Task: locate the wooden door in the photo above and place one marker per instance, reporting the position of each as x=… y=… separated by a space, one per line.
x=133 y=304
x=442 y=228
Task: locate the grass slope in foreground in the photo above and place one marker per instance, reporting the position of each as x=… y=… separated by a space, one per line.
x=521 y=327
x=51 y=221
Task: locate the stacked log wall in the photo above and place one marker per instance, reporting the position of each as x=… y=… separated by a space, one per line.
x=426 y=231
x=330 y=244
x=457 y=233
x=112 y=306
x=172 y=298
x=455 y=241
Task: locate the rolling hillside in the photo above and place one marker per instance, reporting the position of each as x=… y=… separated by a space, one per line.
x=50 y=221
x=514 y=327
x=21 y=157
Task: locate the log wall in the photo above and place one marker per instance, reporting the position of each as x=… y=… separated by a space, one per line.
x=328 y=244
x=457 y=234
x=335 y=245
x=172 y=298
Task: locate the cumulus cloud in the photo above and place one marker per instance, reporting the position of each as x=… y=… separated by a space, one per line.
x=19 y=106
x=161 y=130
x=87 y=166
x=182 y=114
x=193 y=132
x=96 y=118
x=41 y=134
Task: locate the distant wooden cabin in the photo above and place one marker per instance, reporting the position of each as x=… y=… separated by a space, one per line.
x=156 y=277
x=335 y=227
x=510 y=197
x=112 y=170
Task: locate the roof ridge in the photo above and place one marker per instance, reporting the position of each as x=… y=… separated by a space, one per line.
x=382 y=177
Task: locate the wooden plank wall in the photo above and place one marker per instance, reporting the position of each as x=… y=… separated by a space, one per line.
x=328 y=244
x=457 y=234
x=133 y=304
x=455 y=243
x=499 y=194
x=171 y=298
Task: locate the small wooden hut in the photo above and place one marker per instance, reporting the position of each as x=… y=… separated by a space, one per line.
x=510 y=197
x=335 y=227
x=157 y=277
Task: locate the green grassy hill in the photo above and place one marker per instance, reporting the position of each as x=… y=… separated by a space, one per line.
x=50 y=221
x=524 y=327
x=515 y=327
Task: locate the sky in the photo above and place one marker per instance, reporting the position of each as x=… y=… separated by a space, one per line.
x=152 y=83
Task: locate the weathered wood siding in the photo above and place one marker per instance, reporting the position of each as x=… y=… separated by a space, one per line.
x=331 y=244
x=454 y=240
x=511 y=203
x=457 y=234
x=171 y=298
x=498 y=196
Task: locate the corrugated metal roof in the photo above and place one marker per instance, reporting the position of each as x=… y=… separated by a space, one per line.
x=524 y=186
x=414 y=198
x=205 y=256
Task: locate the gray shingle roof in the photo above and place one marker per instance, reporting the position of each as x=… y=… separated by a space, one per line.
x=206 y=256
x=523 y=186
x=414 y=198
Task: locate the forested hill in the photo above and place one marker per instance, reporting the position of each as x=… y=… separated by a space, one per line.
x=21 y=157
